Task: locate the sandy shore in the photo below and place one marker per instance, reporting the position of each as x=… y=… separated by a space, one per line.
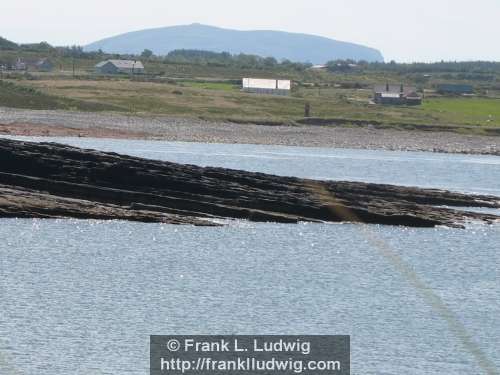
x=62 y=123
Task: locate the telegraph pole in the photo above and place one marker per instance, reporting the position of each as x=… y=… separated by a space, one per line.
x=307 y=109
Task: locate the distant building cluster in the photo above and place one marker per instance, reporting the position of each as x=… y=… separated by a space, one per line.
x=40 y=65
x=120 y=67
x=267 y=86
x=396 y=95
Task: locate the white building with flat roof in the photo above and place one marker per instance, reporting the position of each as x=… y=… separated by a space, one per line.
x=267 y=86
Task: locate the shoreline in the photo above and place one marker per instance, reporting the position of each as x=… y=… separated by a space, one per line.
x=16 y=122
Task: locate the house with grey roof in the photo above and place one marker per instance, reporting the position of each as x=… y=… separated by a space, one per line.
x=120 y=67
x=396 y=94
x=44 y=65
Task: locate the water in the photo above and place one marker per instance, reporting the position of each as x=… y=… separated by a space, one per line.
x=82 y=297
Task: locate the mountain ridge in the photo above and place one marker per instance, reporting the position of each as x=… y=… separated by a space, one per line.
x=266 y=43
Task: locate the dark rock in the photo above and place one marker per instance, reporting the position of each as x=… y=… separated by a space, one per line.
x=47 y=180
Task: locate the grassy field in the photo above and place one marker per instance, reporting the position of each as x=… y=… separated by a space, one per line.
x=473 y=111
x=16 y=96
x=213 y=92
x=225 y=101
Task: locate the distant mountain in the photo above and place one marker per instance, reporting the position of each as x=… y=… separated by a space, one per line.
x=278 y=44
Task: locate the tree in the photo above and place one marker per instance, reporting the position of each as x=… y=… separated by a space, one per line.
x=147 y=53
x=270 y=62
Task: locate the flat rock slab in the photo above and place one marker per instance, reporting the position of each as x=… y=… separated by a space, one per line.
x=48 y=180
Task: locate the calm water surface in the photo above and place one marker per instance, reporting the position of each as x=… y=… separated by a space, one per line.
x=82 y=297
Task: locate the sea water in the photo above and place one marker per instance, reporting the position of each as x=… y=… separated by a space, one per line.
x=82 y=297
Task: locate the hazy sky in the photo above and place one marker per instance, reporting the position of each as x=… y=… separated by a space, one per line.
x=422 y=30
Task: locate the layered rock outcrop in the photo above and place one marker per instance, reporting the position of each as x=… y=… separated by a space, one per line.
x=47 y=180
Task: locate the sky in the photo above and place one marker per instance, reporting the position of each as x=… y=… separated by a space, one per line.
x=406 y=31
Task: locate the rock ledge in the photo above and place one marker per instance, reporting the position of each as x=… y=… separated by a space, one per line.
x=48 y=180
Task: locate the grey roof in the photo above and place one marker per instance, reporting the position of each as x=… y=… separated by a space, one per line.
x=455 y=87
x=122 y=64
x=413 y=95
x=43 y=61
x=394 y=89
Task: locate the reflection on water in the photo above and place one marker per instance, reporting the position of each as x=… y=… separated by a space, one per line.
x=82 y=297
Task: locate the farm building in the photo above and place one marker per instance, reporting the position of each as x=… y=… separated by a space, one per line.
x=396 y=94
x=448 y=88
x=319 y=67
x=44 y=65
x=19 y=65
x=120 y=66
x=41 y=65
x=267 y=86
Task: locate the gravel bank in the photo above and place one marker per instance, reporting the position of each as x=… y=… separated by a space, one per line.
x=61 y=123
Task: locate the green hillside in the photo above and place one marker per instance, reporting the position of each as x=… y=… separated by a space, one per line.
x=7 y=44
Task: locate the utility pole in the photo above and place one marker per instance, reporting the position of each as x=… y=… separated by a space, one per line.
x=73 y=63
x=307 y=110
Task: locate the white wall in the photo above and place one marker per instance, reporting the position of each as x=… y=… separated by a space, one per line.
x=284 y=85
x=269 y=84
